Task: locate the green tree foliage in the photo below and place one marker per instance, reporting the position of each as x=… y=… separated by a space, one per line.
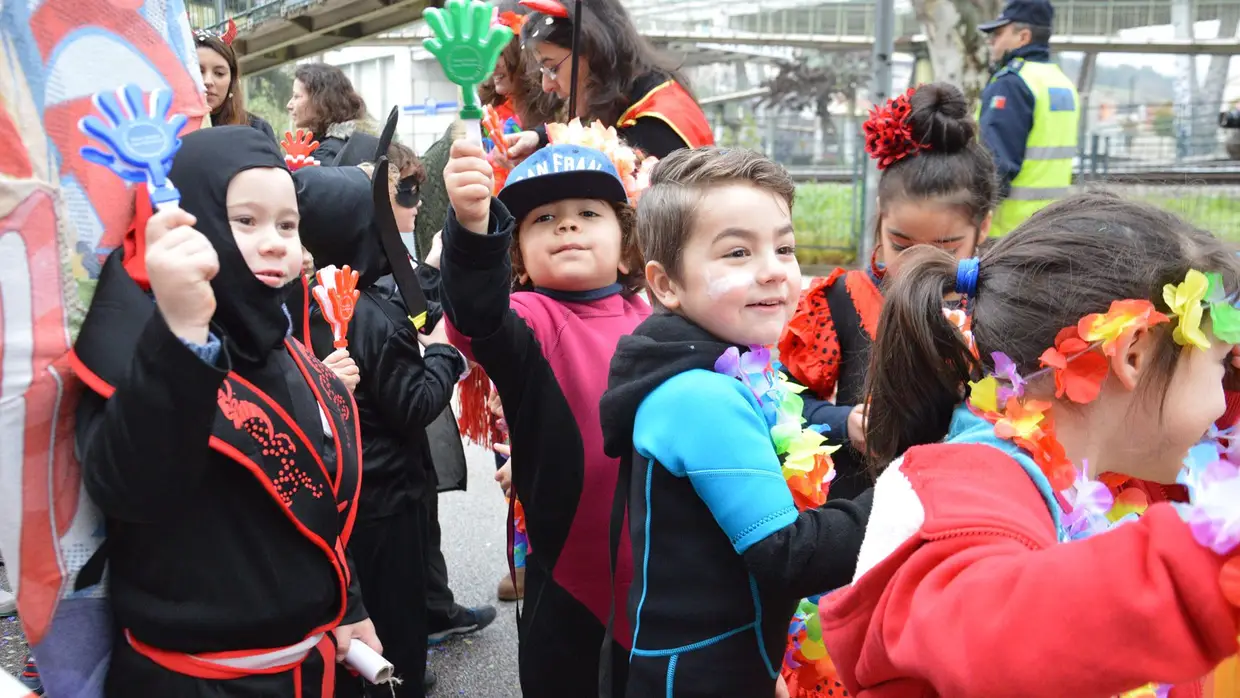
x=814 y=80
x=267 y=94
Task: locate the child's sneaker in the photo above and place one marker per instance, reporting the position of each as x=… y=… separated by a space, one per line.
x=464 y=621
x=30 y=677
x=8 y=603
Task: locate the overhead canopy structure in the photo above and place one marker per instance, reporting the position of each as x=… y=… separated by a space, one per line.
x=273 y=32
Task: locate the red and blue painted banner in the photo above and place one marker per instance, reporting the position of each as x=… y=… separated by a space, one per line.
x=59 y=217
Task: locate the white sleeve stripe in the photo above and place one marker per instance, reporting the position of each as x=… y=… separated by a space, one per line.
x=897 y=515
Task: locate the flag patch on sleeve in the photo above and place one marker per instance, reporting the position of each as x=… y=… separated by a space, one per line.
x=998 y=102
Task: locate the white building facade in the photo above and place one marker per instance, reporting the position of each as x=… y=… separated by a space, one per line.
x=389 y=75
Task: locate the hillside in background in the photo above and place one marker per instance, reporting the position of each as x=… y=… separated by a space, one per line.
x=1144 y=84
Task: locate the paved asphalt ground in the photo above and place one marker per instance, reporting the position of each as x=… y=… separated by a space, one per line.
x=483 y=665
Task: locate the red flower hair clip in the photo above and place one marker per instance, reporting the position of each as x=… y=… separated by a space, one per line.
x=888 y=134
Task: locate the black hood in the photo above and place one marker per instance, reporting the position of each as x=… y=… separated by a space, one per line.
x=250 y=313
x=338 y=221
x=661 y=347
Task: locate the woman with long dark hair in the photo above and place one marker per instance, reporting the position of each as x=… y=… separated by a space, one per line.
x=221 y=79
x=622 y=80
x=325 y=103
x=514 y=88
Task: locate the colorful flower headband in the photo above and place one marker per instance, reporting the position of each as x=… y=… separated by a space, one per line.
x=1079 y=364
x=634 y=170
x=888 y=134
x=229 y=35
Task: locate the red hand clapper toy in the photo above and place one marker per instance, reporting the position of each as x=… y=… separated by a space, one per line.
x=298 y=149
x=495 y=128
x=337 y=295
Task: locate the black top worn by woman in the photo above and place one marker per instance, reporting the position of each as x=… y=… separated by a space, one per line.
x=229 y=482
x=260 y=124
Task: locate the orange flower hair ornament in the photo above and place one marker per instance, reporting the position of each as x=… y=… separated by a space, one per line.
x=509 y=19
x=888 y=134
x=337 y=295
x=298 y=149
x=634 y=170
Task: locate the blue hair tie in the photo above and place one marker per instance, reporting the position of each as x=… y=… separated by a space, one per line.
x=966 y=276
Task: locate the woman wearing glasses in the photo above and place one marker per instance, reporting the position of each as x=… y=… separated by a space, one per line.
x=622 y=80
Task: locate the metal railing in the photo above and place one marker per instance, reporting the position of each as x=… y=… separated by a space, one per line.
x=1104 y=18
x=1072 y=17
x=211 y=14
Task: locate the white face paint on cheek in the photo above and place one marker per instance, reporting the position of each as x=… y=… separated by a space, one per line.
x=718 y=286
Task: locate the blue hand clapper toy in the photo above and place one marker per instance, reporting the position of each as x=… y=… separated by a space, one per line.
x=138 y=138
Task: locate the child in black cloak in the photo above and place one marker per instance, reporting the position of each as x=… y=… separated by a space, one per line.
x=224 y=456
x=400 y=393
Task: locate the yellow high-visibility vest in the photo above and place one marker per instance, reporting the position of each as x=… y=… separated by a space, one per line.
x=1046 y=173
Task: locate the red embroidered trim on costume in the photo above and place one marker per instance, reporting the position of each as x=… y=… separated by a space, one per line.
x=252 y=419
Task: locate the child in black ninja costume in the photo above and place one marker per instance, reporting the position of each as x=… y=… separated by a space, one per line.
x=401 y=391
x=221 y=452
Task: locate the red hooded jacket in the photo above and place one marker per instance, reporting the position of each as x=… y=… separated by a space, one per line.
x=983 y=601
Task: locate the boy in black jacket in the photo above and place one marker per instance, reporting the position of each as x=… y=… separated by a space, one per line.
x=401 y=391
x=725 y=485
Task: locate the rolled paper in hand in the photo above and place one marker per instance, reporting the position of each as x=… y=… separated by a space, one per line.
x=337 y=295
x=368 y=663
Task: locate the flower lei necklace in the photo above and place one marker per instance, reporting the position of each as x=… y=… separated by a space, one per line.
x=1079 y=363
x=805 y=460
x=808 y=470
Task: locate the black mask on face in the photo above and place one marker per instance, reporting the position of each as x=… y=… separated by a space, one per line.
x=248 y=312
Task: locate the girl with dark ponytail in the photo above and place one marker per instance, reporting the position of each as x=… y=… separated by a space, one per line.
x=998 y=559
x=936 y=189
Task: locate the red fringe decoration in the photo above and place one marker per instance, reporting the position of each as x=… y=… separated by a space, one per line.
x=888 y=136
x=475 y=421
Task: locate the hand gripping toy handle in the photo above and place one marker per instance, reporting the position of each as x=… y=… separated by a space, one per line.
x=337 y=296
x=467 y=129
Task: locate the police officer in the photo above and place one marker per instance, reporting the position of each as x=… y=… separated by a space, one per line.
x=1029 y=113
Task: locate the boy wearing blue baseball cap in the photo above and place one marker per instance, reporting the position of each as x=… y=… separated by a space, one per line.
x=539 y=284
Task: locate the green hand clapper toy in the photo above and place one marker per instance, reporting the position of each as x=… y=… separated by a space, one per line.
x=467 y=47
